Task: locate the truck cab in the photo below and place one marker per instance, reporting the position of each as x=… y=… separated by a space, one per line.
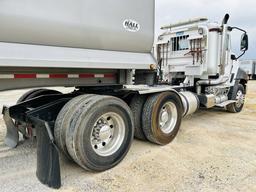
x=197 y=53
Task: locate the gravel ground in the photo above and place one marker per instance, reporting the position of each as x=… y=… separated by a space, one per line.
x=214 y=151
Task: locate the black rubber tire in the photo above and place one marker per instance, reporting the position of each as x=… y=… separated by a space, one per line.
x=232 y=108
x=63 y=121
x=136 y=105
x=150 y=117
x=30 y=95
x=79 y=132
x=69 y=136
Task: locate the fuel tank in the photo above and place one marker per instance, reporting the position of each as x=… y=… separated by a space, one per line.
x=117 y=25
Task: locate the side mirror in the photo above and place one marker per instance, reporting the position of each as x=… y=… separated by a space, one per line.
x=244 y=42
x=233 y=57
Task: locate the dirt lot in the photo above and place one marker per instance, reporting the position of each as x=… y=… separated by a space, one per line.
x=214 y=151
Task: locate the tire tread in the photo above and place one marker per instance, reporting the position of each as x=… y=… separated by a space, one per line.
x=136 y=106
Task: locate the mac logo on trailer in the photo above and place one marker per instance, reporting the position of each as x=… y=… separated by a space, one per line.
x=131 y=25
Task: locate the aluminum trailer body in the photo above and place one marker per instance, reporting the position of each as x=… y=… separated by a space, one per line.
x=79 y=24
x=103 y=49
x=40 y=38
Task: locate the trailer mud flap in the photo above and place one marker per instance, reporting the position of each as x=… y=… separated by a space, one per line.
x=48 y=164
x=12 y=135
x=42 y=112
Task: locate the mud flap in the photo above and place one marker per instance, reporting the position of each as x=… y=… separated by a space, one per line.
x=12 y=134
x=48 y=164
x=42 y=112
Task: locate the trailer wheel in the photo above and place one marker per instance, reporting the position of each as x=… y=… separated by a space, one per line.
x=100 y=133
x=136 y=106
x=161 y=118
x=238 y=94
x=63 y=121
x=24 y=128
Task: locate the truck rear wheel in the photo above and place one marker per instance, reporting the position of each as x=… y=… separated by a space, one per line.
x=100 y=133
x=24 y=128
x=161 y=118
x=136 y=106
x=63 y=121
x=238 y=94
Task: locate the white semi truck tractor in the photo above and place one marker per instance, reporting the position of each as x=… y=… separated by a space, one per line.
x=104 y=50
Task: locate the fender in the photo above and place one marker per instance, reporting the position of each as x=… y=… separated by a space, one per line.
x=145 y=90
x=241 y=78
x=241 y=75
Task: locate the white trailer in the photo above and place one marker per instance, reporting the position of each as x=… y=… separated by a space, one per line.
x=103 y=49
x=249 y=66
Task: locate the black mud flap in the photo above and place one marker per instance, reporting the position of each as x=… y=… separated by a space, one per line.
x=12 y=134
x=42 y=112
x=48 y=164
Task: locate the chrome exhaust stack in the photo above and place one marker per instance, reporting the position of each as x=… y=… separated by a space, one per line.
x=224 y=44
x=222 y=78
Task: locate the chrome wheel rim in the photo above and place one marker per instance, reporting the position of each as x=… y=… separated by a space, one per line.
x=240 y=98
x=108 y=134
x=168 y=117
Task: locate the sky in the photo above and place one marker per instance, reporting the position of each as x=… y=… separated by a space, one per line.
x=242 y=14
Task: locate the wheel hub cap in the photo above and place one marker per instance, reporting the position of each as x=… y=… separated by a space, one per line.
x=168 y=117
x=108 y=134
x=240 y=97
x=105 y=133
x=164 y=117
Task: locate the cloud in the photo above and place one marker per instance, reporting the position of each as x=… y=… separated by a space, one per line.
x=242 y=14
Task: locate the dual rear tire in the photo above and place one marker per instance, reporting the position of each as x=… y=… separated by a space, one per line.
x=161 y=118
x=157 y=118
x=95 y=131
